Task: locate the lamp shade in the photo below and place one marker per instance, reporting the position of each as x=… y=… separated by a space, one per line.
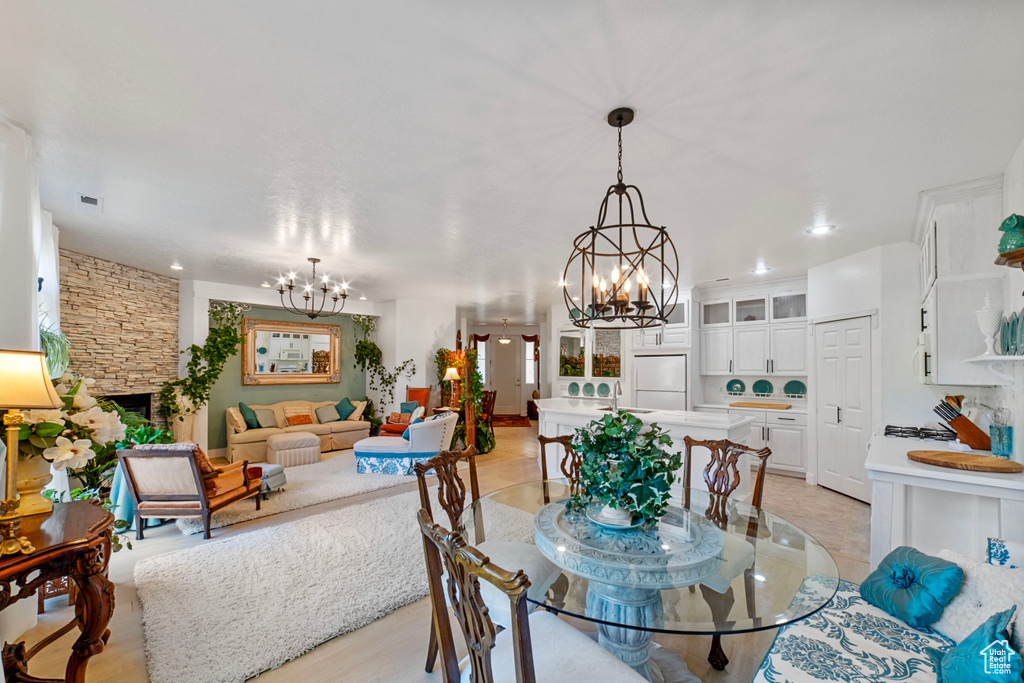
x=452 y=375
x=25 y=381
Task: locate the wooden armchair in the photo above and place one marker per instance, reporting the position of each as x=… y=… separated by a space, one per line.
x=487 y=409
x=722 y=476
x=419 y=394
x=531 y=646
x=177 y=480
x=570 y=464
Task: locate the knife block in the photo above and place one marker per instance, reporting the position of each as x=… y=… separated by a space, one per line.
x=970 y=434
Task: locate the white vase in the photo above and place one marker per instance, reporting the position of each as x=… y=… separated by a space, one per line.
x=989 y=318
x=615 y=516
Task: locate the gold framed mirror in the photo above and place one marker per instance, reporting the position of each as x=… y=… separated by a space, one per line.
x=290 y=353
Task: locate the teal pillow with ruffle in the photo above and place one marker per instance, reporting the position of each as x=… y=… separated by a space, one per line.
x=985 y=656
x=912 y=586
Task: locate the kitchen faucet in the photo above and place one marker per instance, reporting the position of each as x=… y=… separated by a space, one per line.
x=615 y=396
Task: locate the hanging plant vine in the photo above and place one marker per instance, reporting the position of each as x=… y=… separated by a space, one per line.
x=368 y=357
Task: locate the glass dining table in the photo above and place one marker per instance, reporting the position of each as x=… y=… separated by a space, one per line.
x=710 y=566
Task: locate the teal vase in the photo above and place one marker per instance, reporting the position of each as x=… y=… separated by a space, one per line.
x=1013 y=233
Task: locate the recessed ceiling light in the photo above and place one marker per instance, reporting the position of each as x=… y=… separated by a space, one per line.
x=821 y=229
x=265 y=284
x=176 y=266
x=761 y=270
x=362 y=298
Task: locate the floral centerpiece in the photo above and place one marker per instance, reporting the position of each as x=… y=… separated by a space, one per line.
x=627 y=469
x=71 y=437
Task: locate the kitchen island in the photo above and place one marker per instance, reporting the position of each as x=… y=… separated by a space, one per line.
x=559 y=416
x=933 y=508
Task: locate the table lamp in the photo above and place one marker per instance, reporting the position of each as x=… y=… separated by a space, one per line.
x=451 y=376
x=24 y=383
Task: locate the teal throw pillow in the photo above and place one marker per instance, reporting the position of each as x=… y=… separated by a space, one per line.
x=345 y=408
x=409 y=406
x=912 y=586
x=405 y=434
x=249 y=415
x=985 y=656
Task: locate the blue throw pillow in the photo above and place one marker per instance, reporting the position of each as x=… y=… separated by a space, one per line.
x=405 y=434
x=408 y=406
x=912 y=586
x=985 y=656
x=345 y=408
x=1005 y=553
x=249 y=415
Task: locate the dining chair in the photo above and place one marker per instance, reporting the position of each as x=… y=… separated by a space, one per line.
x=722 y=476
x=532 y=645
x=451 y=495
x=487 y=408
x=570 y=464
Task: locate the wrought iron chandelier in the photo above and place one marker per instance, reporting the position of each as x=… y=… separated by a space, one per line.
x=504 y=338
x=309 y=307
x=618 y=253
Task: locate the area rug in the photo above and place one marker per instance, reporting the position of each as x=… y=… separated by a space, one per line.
x=228 y=610
x=511 y=421
x=307 y=485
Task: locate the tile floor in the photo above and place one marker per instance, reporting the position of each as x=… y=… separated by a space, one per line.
x=394 y=647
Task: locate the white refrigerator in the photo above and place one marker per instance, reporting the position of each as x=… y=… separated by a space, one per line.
x=660 y=382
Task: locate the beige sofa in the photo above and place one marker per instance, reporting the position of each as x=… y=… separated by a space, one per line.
x=251 y=444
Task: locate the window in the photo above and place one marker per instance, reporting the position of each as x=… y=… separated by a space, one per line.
x=481 y=361
x=530 y=366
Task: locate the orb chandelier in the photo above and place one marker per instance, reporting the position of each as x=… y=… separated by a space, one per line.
x=308 y=306
x=622 y=272
x=504 y=338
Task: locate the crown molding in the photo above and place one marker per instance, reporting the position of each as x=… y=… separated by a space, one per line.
x=929 y=199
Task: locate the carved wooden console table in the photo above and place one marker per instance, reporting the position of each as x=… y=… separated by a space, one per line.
x=72 y=541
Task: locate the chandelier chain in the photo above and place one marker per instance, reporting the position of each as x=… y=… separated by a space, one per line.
x=619 y=175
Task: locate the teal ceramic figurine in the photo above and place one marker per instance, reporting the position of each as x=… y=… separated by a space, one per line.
x=1013 y=233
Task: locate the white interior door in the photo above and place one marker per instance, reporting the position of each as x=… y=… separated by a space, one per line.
x=506 y=376
x=843 y=400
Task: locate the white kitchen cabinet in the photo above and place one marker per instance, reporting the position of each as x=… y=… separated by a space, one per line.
x=758 y=433
x=788 y=350
x=953 y=336
x=750 y=310
x=788 y=443
x=927 y=264
x=716 y=313
x=716 y=352
x=751 y=350
x=668 y=337
x=788 y=307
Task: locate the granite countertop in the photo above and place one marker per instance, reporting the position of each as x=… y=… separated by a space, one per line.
x=690 y=418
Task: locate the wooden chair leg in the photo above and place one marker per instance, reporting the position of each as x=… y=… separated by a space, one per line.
x=206 y=525
x=717 y=657
x=431 y=649
x=138 y=526
x=257 y=502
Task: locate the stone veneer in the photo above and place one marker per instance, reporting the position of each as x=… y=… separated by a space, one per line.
x=122 y=323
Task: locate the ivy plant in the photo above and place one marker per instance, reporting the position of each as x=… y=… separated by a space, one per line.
x=368 y=357
x=205 y=364
x=625 y=467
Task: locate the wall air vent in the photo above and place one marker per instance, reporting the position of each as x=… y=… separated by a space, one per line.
x=87 y=201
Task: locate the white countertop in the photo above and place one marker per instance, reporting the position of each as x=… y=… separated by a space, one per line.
x=798 y=409
x=688 y=418
x=889 y=455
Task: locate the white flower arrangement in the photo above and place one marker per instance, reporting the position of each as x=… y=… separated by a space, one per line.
x=72 y=436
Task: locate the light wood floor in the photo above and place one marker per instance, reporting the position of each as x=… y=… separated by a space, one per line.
x=393 y=648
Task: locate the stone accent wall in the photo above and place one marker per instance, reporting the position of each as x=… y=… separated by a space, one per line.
x=122 y=323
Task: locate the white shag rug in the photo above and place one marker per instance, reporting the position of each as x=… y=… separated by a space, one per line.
x=307 y=485
x=227 y=610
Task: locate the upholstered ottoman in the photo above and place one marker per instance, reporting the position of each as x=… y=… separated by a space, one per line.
x=273 y=478
x=293 y=448
x=388 y=455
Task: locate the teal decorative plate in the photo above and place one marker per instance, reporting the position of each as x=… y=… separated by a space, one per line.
x=735 y=387
x=1020 y=333
x=763 y=387
x=574 y=389
x=603 y=390
x=262 y=350
x=1014 y=323
x=795 y=389
x=588 y=389
x=1004 y=337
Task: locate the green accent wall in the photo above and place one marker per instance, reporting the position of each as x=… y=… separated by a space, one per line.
x=228 y=390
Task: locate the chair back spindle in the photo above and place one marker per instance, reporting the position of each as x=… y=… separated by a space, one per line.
x=451 y=490
x=722 y=474
x=570 y=464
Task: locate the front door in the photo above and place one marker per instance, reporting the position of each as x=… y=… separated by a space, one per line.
x=505 y=375
x=843 y=362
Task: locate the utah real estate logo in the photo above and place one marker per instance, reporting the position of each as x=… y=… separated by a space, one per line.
x=997 y=657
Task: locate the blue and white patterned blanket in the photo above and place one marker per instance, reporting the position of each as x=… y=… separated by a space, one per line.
x=849 y=640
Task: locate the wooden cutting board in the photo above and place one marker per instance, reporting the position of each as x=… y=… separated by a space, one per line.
x=763 y=406
x=966 y=461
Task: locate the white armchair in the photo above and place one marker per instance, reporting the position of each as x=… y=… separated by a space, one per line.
x=390 y=455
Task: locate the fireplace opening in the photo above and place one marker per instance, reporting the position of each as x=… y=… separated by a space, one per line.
x=141 y=404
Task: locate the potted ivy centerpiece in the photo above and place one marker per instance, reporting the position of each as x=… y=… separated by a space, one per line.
x=627 y=467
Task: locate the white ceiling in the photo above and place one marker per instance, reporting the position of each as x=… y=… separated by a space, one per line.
x=453 y=149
